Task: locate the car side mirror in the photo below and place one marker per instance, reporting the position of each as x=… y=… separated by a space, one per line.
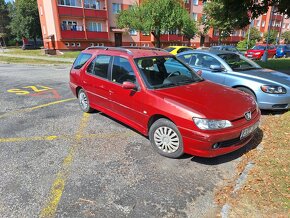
x=216 y=68
x=199 y=72
x=129 y=85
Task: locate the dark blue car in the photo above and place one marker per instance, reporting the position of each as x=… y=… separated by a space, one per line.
x=283 y=51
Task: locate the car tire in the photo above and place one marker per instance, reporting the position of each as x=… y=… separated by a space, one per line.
x=248 y=91
x=166 y=138
x=84 y=102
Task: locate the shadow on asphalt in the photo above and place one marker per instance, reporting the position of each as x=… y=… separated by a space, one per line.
x=257 y=139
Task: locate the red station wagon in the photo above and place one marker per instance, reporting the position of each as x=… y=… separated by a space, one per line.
x=258 y=50
x=162 y=98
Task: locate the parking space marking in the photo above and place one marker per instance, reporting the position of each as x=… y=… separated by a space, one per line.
x=27 y=89
x=35 y=107
x=54 y=137
x=58 y=185
x=25 y=139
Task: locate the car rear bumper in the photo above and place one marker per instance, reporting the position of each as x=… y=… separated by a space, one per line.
x=212 y=144
x=73 y=88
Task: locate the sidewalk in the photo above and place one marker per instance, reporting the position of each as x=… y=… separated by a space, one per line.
x=49 y=58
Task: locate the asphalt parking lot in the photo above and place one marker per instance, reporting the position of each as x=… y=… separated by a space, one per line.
x=59 y=162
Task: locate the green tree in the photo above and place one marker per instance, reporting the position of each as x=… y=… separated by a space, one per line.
x=189 y=29
x=4 y=21
x=153 y=16
x=272 y=36
x=219 y=17
x=25 y=20
x=286 y=37
x=253 y=39
x=251 y=9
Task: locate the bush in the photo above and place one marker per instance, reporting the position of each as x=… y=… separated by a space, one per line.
x=242 y=45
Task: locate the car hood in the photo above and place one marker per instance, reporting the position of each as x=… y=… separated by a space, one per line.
x=208 y=100
x=266 y=75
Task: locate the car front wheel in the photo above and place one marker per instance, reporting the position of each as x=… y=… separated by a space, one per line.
x=166 y=138
x=84 y=102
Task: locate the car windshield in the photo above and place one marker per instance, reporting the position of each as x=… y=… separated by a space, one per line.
x=259 y=47
x=169 y=49
x=163 y=71
x=238 y=62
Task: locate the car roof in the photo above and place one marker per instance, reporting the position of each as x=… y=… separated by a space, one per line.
x=134 y=52
x=215 y=52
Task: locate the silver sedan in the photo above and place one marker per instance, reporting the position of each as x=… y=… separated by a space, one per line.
x=271 y=89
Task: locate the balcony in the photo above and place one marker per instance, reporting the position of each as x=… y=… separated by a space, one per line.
x=101 y=14
x=98 y=35
x=72 y=32
x=171 y=37
x=70 y=11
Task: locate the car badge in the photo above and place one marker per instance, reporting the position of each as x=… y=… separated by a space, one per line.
x=248 y=115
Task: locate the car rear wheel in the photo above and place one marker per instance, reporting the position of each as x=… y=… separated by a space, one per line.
x=248 y=91
x=166 y=138
x=84 y=101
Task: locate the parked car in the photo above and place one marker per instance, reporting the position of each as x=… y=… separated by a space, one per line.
x=225 y=48
x=258 y=50
x=283 y=51
x=177 y=49
x=178 y=110
x=271 y=89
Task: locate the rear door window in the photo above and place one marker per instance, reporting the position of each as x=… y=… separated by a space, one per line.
x=81 y=60
x=100 y=66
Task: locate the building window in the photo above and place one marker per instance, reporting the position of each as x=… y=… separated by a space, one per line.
x=258 y=23
x=116 y=8
x=73 y=3
x=194 y=16
x=71 y=25
x=95 y=27
x=133 y=32
x=92 y=44
x=78 y=44
x=145 y=33
x=93 y=4
x=73 y=44
x=67 y=44
x=195 y=2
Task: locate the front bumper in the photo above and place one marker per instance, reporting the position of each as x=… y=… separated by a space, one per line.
x=274 y=101
x=202 y=143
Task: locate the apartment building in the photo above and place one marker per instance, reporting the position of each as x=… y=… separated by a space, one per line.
x=77 y=24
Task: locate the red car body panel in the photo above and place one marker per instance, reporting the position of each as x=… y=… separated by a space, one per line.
x=179 y=104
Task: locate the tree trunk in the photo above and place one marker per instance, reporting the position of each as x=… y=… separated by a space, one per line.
x=156 y=35
x=34 y=38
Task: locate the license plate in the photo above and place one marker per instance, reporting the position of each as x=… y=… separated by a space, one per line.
x=246 y=132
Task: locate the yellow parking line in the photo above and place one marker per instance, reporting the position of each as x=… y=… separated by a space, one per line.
x=35 y=107
x=25 y=139
x=57 y=188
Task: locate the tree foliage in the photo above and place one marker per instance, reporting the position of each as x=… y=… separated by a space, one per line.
x=155 y=17
x=286 y=37
x=272 y=36
x=189 y=28
x=4 y=19
x=249 y=42
x=25 y=20
x=218 y=16
x=251 y=9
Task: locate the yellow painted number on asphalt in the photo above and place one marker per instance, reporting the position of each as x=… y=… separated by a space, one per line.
x=27 y=89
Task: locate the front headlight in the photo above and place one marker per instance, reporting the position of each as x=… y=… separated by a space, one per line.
x=206 y=124
x=257 y=53
x=273 y=89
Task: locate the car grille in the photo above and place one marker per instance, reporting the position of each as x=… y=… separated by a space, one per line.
x=254 y=114
x=232 y=142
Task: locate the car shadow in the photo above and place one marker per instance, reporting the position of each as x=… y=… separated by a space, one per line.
x=257 y=139
x=270 y=113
